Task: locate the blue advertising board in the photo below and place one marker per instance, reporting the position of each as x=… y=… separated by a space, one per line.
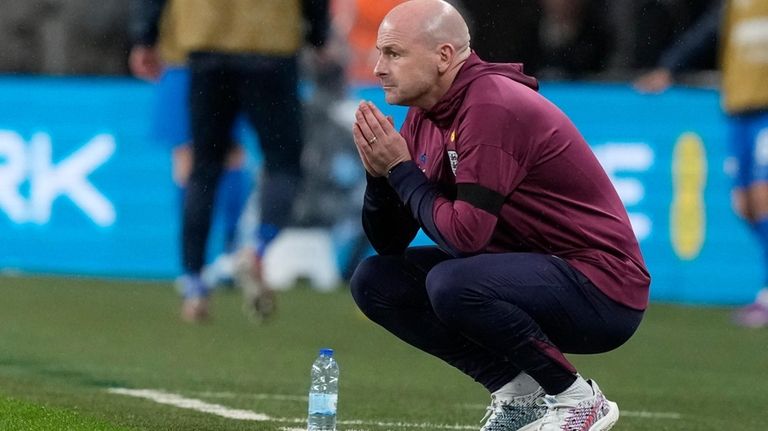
x=84 y=189
x=667 y=155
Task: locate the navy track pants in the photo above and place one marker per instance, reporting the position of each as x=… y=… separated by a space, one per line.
x=493 y=315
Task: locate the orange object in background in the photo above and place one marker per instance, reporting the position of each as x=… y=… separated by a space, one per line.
x=359 y=20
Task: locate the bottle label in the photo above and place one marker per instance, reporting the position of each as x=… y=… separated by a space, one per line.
x=323 y=404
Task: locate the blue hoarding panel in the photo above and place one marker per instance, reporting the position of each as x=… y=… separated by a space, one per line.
x=84 y=189
x=666 y=155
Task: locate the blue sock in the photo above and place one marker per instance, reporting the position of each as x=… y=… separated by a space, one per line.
x=761 y=230
x=234 y=194
x=194 y=287
x=267 y=232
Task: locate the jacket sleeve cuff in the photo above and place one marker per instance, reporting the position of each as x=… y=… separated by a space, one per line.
x=406 y=178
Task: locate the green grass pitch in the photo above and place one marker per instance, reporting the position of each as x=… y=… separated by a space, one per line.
x=69 y=345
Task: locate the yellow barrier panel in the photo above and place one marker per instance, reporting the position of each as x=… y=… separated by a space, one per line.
x=688 y=209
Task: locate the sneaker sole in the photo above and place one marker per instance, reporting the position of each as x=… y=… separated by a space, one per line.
x=609 y=420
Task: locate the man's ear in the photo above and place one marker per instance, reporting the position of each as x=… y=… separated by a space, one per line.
x=446 y=53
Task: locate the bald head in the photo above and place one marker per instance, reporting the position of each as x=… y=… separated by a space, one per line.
x=433 y=22
x=422 y=46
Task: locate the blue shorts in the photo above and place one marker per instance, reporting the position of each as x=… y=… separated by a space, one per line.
x=171 y=110
x=749 y=140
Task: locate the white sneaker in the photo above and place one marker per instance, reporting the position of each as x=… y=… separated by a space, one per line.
x=220 y=272
x=196 y=305
x=521 y=413
x=259 y=301
x=593 y=413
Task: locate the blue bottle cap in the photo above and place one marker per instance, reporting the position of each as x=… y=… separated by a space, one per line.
x=326 y=352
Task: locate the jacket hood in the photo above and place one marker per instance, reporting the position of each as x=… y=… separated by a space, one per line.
x=445 y=109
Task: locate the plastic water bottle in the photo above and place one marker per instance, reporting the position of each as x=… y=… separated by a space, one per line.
x=323 y=393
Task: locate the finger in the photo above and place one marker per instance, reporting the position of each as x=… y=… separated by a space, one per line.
x=367 y=133
x=386 y=123
x=366 y=163
x=391 y=120
x=373 y=121
x=361 y=142
x=360 y=146
x=357 y=134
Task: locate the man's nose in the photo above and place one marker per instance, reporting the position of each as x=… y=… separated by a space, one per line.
x=379 y=69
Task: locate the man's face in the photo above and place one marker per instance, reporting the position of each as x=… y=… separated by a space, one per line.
x=406 y=67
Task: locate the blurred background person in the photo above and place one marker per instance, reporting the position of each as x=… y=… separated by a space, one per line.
x=163 y=64
x=744 y=49
x=241 y=58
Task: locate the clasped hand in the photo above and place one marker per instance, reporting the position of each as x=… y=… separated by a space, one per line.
x=380 y=146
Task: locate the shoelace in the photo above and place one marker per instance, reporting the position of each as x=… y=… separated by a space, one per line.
x=490 y=410
x=496 y=410
x=556 y=411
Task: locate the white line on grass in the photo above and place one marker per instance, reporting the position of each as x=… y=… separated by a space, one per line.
x=651 y=415
x=297 y=398
x=177 y=400
x=180 y=401
x=190 y=403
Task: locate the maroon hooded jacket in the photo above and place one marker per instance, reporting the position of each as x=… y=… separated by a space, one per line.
x=497 y=168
